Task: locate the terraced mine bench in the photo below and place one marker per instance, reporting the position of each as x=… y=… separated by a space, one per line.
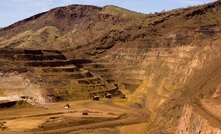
x=53 y=72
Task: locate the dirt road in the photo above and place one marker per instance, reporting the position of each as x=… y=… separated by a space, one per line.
x=122 y=114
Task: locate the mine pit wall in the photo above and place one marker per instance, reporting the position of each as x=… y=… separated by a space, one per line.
x=168 y=71
x=48 y=76
x=157 y=72
x=176 y=69
x=163 y=71
x=192 y=123
x=13 y=86
x=155 y=91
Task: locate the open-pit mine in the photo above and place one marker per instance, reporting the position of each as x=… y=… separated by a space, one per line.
x=106 y=70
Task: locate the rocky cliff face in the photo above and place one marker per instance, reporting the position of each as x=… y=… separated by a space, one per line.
x=13 y=86
x=192 y=122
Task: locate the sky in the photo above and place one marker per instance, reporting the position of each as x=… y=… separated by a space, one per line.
x=12 y=11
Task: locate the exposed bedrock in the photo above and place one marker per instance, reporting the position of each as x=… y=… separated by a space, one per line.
x=46 y=75
x=152 y=77
x=14 y=86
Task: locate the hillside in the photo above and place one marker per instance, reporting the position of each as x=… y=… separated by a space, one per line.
x=71 y=26
x=167 y=63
